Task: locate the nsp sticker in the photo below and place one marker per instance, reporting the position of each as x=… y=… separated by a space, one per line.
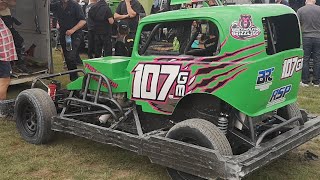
x=244 y=28
x=264 y=79
x=290 y=66
x=279 y=95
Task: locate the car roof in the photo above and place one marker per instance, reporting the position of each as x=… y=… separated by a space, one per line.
x=225 y=14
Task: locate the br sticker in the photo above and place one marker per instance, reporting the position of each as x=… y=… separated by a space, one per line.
x=264 y=79
x=244 y=28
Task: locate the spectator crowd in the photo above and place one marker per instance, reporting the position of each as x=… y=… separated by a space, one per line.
x=113 y=34
x=99 y=21
x=72 y=17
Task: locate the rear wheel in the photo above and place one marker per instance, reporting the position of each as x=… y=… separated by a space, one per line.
x=198 y=132
x=33 y=112
x=291 y=111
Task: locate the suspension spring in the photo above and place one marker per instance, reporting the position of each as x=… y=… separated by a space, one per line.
x=223 y=124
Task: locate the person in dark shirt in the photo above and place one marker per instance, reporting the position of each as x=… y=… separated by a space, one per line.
x=128 y=11
x=71 y=19
x=90 y=26
x=102 y=18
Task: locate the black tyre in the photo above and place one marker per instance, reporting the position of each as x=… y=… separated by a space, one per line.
x=33 y=112
x=199 y=132
x=291 y=111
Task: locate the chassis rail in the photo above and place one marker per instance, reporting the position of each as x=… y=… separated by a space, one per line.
x=193 y=159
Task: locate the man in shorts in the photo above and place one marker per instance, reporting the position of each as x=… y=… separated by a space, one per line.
x=7 y=54
x=10 y=21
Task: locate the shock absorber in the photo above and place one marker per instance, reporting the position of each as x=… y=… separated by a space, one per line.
x=223 y=123
x=52 y=89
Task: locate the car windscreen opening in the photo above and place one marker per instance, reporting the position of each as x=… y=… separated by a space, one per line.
x=188 y=37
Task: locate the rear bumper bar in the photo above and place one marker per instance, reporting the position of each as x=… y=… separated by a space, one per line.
x=192 y=159
x=239 y=166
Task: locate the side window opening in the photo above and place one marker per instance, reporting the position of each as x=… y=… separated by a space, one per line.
x=281 y=33
x=191 y=37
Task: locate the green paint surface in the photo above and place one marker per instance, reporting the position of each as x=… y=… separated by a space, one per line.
x=241 y=76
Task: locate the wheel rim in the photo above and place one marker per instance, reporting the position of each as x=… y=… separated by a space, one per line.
x=29 y=119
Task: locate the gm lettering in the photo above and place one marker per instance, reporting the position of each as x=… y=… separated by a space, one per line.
x=290 y=66
x=154 y=81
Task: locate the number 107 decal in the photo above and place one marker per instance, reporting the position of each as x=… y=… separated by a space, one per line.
x=155 y=81
x=290 y=66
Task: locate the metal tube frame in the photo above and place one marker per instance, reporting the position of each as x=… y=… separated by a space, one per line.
x=93 y=100
x=255 y=141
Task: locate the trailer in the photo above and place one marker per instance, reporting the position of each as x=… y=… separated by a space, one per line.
x=35 y=30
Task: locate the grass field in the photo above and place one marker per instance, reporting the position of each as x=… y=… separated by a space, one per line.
x=69 y=157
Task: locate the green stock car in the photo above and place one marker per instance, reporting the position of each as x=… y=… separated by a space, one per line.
x=208 y=93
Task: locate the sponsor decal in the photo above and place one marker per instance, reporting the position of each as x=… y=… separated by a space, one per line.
x=290 y=66
x=264 y=79
x=244 y=28
x=279 y=95
x=95 y=78
x=155 y=81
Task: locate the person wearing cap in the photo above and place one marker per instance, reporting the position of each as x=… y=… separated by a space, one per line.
x=128 y=11
x=7 y=54
x=102 y=18
x=124 y=42
x=71 y=19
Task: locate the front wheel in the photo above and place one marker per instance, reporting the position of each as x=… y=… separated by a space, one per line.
x=33 y=112
x=198 y=132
